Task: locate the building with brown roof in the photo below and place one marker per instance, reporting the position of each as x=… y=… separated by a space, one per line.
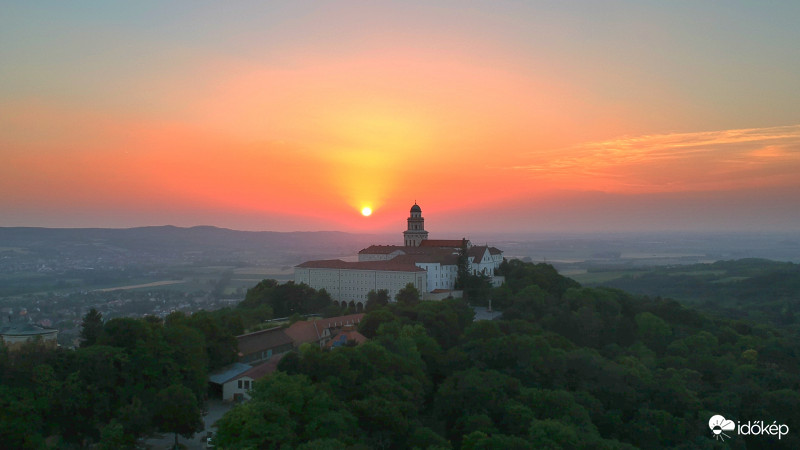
x=262 y=345
x=445 y=243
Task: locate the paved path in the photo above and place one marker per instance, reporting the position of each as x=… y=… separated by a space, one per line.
x=483 y=313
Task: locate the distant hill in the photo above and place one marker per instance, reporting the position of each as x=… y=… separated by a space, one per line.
x=751 y=288
x=169 y=243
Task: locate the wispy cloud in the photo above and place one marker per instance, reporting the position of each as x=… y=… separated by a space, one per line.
x=727 y=159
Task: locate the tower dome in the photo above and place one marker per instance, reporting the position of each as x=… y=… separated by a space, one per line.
x=415 y=233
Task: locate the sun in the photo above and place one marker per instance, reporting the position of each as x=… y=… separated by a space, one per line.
x=366 y=211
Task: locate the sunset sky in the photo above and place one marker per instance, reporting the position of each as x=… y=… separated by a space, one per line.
x=502 y=116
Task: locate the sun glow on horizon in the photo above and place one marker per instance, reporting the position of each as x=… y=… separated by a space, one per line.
x=306 y=116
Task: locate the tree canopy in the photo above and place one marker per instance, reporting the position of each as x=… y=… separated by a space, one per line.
x=566 y=367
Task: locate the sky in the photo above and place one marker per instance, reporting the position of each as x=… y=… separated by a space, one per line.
x=496 y=116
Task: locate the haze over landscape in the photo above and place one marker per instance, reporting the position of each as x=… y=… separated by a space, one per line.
x=495 y=116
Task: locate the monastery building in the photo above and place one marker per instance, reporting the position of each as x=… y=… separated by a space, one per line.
x=430 y=265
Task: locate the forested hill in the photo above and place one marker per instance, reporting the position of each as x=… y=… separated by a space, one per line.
x=755 y=289
x=566 y=367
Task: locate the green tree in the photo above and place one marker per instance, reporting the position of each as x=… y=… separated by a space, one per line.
x=91 y=327
x=372 y=321
x=135 y=418
x=126 y=333
x=409 y=295
x=286 y=299
x=186 y=353
x=177 y=412
x=476 y=288
x=220 y=342
x=376 y=299
x=653 y=330
x=256 y=424
x=553 y=434
x=462 y=265
x=478 y=440
x=113 y=437
x=284 y=410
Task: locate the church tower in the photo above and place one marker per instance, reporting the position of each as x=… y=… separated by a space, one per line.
x=416 y=228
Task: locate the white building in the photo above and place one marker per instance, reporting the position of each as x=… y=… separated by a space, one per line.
x=350 y=282
x=14 y=336
x=430 y=265
x=234 y=382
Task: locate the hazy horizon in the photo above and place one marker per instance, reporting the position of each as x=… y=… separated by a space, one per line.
x=394 y=236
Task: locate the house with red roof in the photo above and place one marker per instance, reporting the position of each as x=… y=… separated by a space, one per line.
x=320 y=331
x=347 y=336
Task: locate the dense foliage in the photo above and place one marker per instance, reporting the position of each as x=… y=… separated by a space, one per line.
x=567 y=367
x=283 y=300
x=130 y=377
x=109 y=391
x=756 y=289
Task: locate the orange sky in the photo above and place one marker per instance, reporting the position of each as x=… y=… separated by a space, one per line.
x=300 y=121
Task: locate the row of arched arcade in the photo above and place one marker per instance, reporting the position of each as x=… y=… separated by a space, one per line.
x=353 y=305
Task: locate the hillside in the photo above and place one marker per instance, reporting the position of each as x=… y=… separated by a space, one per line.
x=754 y=289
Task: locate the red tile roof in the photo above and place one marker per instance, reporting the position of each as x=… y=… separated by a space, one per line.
x=346 y=335
x=477 y=252
x=339 y=321
x=389 y=266
x=263 y=369
x=304 y=331
x=311 y=330
x=444 y=258
x=381 y=249
x=449 y=243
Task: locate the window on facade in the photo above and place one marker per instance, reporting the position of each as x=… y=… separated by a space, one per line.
x=240 y=384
